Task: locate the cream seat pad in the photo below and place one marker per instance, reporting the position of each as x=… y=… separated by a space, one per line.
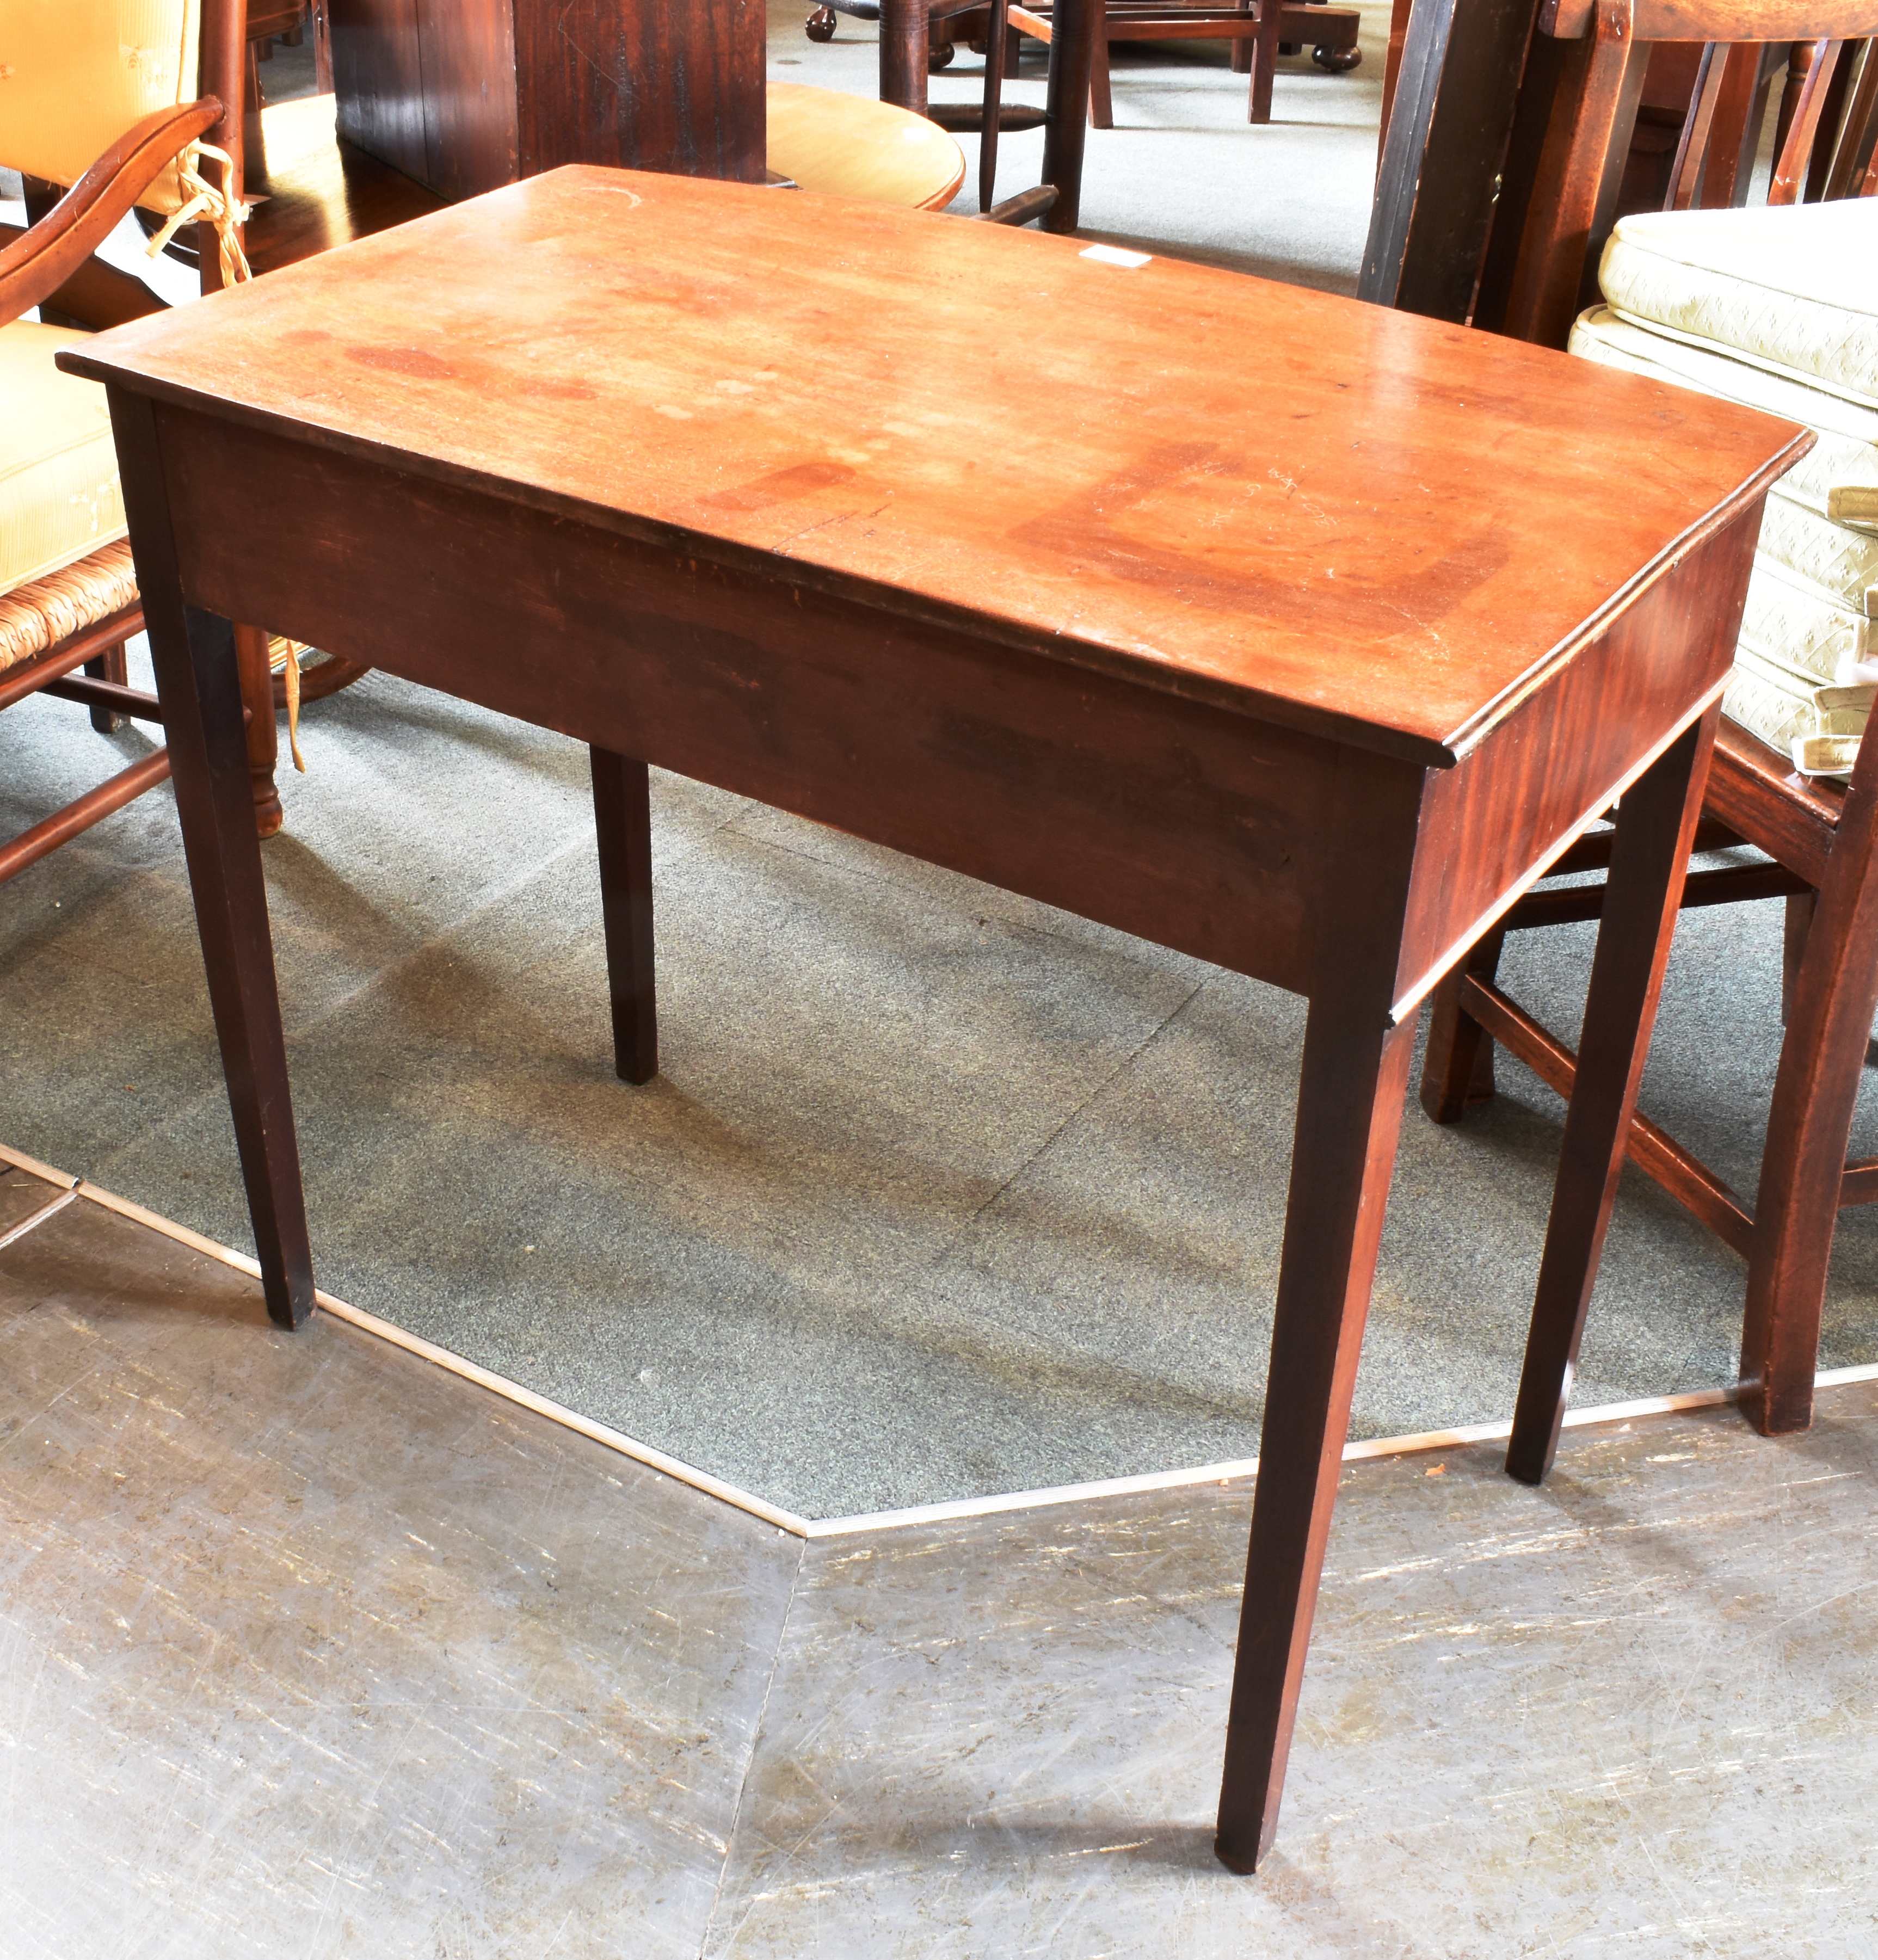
x=1601 y=335
x=59 y=491
x=1790 y=288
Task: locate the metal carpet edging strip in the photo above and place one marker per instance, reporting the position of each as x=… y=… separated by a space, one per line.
x=468 y=1370
x=867 y=1521
x=33 y=1168
x=38 y=1217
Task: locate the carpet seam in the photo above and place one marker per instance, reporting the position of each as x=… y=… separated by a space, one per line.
x=756 y=1746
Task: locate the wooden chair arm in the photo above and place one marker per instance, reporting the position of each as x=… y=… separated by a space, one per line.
x=97 y=295
x=39 y=263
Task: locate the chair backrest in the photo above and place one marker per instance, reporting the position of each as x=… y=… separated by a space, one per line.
x=75 y=74
x=1578 y=111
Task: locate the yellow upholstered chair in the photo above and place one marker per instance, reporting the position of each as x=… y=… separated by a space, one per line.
x=101 y=98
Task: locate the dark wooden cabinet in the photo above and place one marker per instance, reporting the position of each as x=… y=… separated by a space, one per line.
x=463 y=95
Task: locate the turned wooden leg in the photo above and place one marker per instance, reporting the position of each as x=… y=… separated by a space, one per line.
x=1656 y=826
x=622 y=817
x=1834 y=996
x=110 y=665
x=1350 y=1096
x=1457 y=1066
x=263 y=735
x=1078 y=25
x=904 y=34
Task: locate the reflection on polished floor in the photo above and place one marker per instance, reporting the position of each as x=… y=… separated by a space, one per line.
x=311 y=1647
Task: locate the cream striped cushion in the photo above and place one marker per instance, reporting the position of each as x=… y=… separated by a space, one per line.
x=1792 y=288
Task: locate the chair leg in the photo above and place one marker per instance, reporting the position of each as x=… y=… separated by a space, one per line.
x=1242 y=45
x=257 y=696
x=110 y=665
x=1101 y=102
x=1799 y=924
x=1457 y=1067
x=1834 y=994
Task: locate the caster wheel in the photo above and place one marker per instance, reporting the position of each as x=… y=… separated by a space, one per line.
x=820 y=25
x=939 y=57
x=1339 y=60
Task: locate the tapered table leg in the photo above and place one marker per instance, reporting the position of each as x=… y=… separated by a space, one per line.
x=1350 y=1096
x=622 y=819
x=1655 y=825
x=199 y=684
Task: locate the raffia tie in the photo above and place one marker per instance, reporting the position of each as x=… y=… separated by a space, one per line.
x=285 y=654
x=224 y=211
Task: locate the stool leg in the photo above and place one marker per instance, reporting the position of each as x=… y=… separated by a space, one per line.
x=904 y=33
x=1072 y=45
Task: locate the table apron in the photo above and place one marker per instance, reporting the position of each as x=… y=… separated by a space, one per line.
x=1186 y=824
x=1490 y=827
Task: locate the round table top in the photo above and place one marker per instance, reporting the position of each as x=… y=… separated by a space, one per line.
x=854 y=147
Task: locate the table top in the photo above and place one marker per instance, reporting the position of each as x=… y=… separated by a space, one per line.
x=1332 y=516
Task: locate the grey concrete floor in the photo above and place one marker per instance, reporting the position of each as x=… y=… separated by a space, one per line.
x=311 y=1649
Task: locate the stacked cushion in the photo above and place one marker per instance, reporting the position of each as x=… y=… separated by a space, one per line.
x=1776 y=308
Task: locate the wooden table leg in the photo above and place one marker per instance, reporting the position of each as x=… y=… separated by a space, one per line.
x=199 y=683
x=1350 y=1095
x=622 y=815
x=903 y=43
x=1655 y=825
x=1072 y=58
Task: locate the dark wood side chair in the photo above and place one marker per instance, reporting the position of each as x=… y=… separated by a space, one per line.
x=1819 y=837
x=1577 y=115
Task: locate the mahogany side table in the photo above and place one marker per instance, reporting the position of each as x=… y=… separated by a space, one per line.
x=1307 y=663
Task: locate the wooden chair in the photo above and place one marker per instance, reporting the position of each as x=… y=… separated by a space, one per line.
x=1578 y=114
x=1820 y=838
x=68 y=605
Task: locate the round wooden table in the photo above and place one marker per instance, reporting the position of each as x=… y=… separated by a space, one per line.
x=854 y=147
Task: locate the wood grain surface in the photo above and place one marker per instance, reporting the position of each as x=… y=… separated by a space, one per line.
x=1392 y=538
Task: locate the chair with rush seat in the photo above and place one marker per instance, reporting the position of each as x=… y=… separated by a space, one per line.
x=101 y=96
x=1773 y=308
